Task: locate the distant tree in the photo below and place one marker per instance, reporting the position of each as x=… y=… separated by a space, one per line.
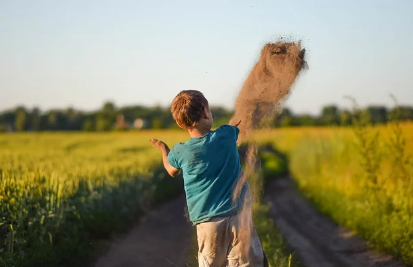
x=376 y=114
x=8 y=117
x=109 y=107
x=87 y=125
x=221 y=115
x=330 y=115
x=285 y=118
x=287 y=121
x=21 y=119
x=108 y=112
x=3 y=128
x=103 y=124
x=401 y=113
x=52 y=120
x=305 y=120
x=159 y=117
x=156 y=124
x=161 y=114
x=72 y=118
x=345 y=118
x=286 y=112
x=35 y=119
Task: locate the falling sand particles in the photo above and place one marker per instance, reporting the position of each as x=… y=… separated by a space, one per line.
x=261 y=97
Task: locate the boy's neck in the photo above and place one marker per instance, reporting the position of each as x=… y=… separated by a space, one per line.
x=199 y=130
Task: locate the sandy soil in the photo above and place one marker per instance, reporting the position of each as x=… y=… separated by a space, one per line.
x=316 y=240
x=161 y=238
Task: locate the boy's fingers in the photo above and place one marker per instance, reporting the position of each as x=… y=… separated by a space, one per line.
x=153 y=141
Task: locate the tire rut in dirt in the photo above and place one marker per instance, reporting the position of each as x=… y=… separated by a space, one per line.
x=316 y=240
x=161 y=238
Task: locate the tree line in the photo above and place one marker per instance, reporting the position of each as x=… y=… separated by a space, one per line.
x=109 y=117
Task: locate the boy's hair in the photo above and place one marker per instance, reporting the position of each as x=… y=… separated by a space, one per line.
x=187 y=108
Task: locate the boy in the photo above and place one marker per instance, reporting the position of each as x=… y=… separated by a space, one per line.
x=212 y=171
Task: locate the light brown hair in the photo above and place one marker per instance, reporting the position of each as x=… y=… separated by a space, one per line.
x=187 y=108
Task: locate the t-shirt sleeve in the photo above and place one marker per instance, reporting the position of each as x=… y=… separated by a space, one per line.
x=230 y=130
x=236 y=132
x=172 y=158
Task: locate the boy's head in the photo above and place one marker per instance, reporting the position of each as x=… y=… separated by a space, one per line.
x=190 y=108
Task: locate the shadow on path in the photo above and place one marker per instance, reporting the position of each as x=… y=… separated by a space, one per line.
x=161 y=238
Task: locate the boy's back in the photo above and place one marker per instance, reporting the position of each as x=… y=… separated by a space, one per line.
x=212 y=179
x=211 y=168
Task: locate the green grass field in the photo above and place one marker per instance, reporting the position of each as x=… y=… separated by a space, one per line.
x=63 y=195
x=361 y=177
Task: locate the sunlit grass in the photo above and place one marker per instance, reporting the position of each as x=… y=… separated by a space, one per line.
x=60 y=193
x=331 y=166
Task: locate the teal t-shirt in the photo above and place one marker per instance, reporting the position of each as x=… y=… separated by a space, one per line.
x=211 y=167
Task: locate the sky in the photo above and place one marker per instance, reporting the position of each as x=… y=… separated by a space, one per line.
x=59 y=54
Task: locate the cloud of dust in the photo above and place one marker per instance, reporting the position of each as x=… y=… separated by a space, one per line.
x=267 y=85
x=261 y=97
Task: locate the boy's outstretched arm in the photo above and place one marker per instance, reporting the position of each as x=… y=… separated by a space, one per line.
x=165 y=151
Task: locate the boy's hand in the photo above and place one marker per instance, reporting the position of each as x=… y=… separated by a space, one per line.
x=165 y=151
x=159 y=145
x=237 y=123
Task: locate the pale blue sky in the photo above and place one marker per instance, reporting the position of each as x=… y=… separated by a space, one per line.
x=56 y=54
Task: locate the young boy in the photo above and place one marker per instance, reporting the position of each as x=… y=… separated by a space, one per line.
x=212 y=171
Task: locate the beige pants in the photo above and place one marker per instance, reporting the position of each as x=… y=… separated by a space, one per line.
x=229 y=241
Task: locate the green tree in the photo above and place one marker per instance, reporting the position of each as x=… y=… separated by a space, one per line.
x=35 y=120
x=404 y=113
x=21 y=120
x=109 y=108
x=287 y=121
x=156 y=124
x=305 y=120
x=3 y=128
x=285 y=118
x=103 y=124
x=72 y=118
x=220 y=115
x=52 y=120
x=376 y=114
x=87 y=125
x=330 y=115
x=345 y=118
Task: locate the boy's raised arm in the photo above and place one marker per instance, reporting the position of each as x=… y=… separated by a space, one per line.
x=172 y=171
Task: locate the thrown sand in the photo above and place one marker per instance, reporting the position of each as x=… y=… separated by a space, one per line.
x=261 y=97
x=267 y=85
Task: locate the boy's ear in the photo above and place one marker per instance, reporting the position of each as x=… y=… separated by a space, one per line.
x=205 y=111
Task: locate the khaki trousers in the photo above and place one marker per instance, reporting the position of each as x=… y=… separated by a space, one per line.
x=230 y=241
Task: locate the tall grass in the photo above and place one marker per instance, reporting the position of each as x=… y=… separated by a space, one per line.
x=62 y=195
x=362 y=177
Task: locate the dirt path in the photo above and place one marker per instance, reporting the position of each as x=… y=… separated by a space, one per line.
x=161 y=238
x=316 y=240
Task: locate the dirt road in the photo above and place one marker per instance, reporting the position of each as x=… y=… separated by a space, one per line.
x=316 y=240
x=161 y=238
